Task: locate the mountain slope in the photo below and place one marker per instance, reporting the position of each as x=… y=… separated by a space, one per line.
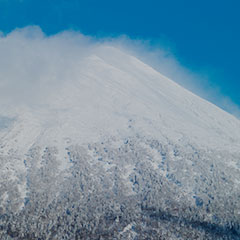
x=111 y=87
x=120 y=138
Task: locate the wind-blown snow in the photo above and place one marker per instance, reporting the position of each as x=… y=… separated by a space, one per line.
x=108 y=89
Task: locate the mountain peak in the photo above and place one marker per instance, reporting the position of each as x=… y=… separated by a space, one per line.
x=110 y=145
x=107 y=89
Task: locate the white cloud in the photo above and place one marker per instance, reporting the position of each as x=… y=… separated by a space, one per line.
x=31 y=64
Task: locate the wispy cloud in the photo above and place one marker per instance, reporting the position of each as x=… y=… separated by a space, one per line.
x=162 y=59
x=32 y=64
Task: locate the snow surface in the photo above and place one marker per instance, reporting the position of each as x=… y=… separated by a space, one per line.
x=108 y=89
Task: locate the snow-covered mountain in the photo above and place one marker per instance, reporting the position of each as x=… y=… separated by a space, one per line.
x=118 y=151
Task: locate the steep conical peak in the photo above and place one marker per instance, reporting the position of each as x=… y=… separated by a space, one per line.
x=104 y=91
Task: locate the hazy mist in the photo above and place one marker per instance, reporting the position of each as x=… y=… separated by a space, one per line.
x=33 y=64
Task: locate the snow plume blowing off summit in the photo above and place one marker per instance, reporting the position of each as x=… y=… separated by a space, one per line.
x=97 y=144
x=32 y=64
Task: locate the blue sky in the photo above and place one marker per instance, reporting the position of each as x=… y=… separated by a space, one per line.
x=203 y=35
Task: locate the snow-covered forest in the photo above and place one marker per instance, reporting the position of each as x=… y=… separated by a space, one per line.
x=133 y=188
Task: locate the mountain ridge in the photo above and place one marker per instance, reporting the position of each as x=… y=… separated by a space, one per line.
x=131 y=91
x=118 y=152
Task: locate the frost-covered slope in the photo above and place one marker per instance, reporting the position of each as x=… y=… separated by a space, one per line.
x=118 y=150
x=108 y=89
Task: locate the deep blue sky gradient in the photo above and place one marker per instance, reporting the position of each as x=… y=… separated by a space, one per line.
x=202 y=34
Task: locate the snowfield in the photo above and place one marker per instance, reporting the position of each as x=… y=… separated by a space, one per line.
x=118 y=151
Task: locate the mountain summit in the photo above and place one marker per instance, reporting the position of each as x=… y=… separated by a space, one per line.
x=116 y=150
x=108 y=89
